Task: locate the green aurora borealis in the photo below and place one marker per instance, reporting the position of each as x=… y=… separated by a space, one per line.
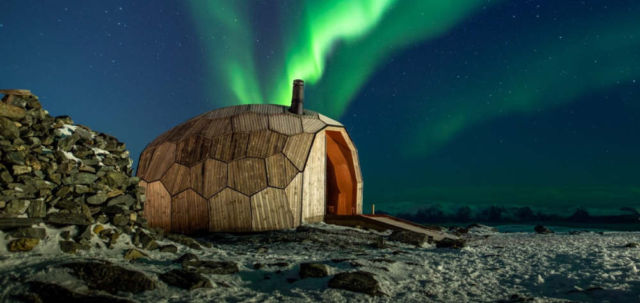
x=526 y=67
x=452 y=103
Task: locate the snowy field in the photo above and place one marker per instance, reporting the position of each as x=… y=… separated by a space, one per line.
x=513 y=267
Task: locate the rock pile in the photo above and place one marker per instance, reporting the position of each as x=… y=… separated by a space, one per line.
x=60 y=173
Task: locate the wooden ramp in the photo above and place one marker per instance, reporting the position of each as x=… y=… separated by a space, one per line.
x=385 y=222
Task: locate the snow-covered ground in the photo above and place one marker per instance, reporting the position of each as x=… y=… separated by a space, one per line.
x=584 y=267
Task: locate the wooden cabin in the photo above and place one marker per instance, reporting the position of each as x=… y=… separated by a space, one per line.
x=250 y=168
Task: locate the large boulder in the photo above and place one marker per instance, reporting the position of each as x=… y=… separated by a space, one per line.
x=111 y=278
x=357 y=281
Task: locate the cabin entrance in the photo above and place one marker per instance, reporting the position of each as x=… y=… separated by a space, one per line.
x=342 y=185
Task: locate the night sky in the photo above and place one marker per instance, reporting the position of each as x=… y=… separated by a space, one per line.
x=456 y=102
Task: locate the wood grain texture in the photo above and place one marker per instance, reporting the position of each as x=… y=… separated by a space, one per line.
x=229 y=211
x=163 y=157
x=312 y=125
x=197 y=128
x=313 y=182
x=265 y=143
x=288 y=124
x=215 y=177
x=345 y=141
x=226 y=111
x=247 y=122
x=294 y=197
x=189 y=213
x=266 y=109
x=217 y=127
x=280 y=171
x=177 y=132
x=143 y=163
x=157 y=208
x=270 y=210
x=196 y=178
x=248 y=175
x=192 y=150
x=329 y=121
x=229 y=147
x=297 y=148
x=177 y=178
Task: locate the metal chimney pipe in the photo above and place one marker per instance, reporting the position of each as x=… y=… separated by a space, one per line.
x=297 y=98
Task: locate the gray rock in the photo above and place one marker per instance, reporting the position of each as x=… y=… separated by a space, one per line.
x=111 y=278
x=117 y=180
x=48 y=292
x=539 y=229
x=185 y=279
x=409 y=237
x=6 y=177
x=37 y=209
x=8 y=129
x=29 y=232
x=450 y=243
x=66 y=218
x=97 y=199
x=120 y=220
x=69 y=247
x=124 y=200
x=632 y=245
x=313 y=270
x=16 y=207
x=184 y=240
x=11 y=223
x=82 y=189
x=168 y=249
x=184 y=259
x=21 y=170
x=84 y=178
x=358 y=281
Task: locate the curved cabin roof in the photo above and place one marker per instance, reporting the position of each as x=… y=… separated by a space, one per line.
x=234 y=138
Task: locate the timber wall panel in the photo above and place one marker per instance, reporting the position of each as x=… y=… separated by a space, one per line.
x=196 y=177
x=217 y=127
x=192 y=150
x=177 y=178
x=247 y=122
x=229 y=211
x=312 y=125
x=266 y=109
x=265 y=143
x=189 y=213
x=297 y=149
x=162 y=159
x=247 y=175
x=345 y=142
x=294 y=197
x=157 y=209
x=226 y=111
x=287 y=124
x=143 y=162
x=270 y=210
x=313 y=182
x=329 y=121
x=215 y=177
x=280 y=171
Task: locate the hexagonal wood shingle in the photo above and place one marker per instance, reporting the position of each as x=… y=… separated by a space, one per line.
x=189 y=213
x=265 y=143
x=163 y=157
x=177 y=178
x=192 y=150
x=280 y=171
x=229 y=210
x=297 y=148
x=247 y=122
x=287 y=124
x=157 y=208
x=247 y=175
x=215 y=177
x=270 y=210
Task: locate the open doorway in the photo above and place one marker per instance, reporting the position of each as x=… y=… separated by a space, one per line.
x=341 y=179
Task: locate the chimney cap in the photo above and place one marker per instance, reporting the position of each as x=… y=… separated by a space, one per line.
x=298 y=82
